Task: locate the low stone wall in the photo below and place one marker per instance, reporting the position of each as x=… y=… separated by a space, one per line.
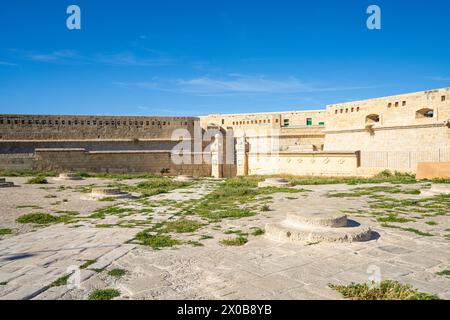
x=17 y=162
x=104 y=161
x=304 y=163
x=116 y=161
x=433 y=170
x=11 y=147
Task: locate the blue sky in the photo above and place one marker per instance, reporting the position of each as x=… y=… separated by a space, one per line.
x=198 y=57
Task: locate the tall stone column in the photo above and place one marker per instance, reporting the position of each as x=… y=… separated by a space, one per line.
x=217 y=156
x=242 y=149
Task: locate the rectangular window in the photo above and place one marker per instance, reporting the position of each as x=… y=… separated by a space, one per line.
x=404 y=103
x=286 y=122
x=309 y=121
x=443 y=98
x=321 y=123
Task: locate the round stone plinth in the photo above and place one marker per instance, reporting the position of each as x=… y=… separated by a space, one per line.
x=321 y=219
x=317 y=227
x=5 y=184
x=274 y=182
x=287 y=232
x=100 y=193
x=184 y=178
x=436 y=189
x=68 y=176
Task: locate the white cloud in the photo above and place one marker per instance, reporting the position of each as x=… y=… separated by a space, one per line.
x=438 y=78
x=242 y=84
x=8 y=64
x=245 y=84
x=116 y=59
x=234 y=84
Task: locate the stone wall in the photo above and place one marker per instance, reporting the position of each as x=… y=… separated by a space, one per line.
x=43 y=127
x=433 y=170
x=409 y=122
x=304 y=163
x=105 y=161
x=17 y=162
x=246 y=123
x=20 y=146
x=118 y=161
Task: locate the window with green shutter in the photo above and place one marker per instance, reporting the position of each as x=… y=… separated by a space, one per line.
x=309 y=121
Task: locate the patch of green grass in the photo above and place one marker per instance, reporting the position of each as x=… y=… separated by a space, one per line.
x=68 y=212
x=387 y=290
x=237 y=232
x=27 y=173
x=155 y=185
x=205 y=237
x=291 y=198
x=445 y=272
x=37 y=180
x=155 y=241
x=431 y=223
x=182 y=226
x=87 y=263
x=238 y=241
x=62 y=281
x=393 y=218
x=258 y=232
x=116 y=176
x=38 y=218
x=104 y=294
x=385 y=176
x=230 y=198
x=418 y=232
x=5 y=231
x=110 y=210
x=265 y=208
x=372 y=192
x=117 y=272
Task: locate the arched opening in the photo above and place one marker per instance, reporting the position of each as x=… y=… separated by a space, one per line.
x=424 y=113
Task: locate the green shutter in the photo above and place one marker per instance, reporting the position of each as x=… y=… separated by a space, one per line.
x=309 y=121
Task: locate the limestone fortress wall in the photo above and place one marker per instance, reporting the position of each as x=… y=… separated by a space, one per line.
x=353 y=138
x=46 y=127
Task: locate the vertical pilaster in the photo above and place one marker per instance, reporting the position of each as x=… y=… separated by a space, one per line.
x=242 y=149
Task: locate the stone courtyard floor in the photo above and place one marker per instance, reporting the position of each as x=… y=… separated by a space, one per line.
x=412 y=247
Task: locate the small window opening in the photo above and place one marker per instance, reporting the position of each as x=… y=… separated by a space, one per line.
x=373 y=118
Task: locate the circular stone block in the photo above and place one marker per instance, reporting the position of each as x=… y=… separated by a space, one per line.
x=274 y=182
x=321 y=219
x=99 y=193
x=184 y=178
x=287 y=232
x=68 y=176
